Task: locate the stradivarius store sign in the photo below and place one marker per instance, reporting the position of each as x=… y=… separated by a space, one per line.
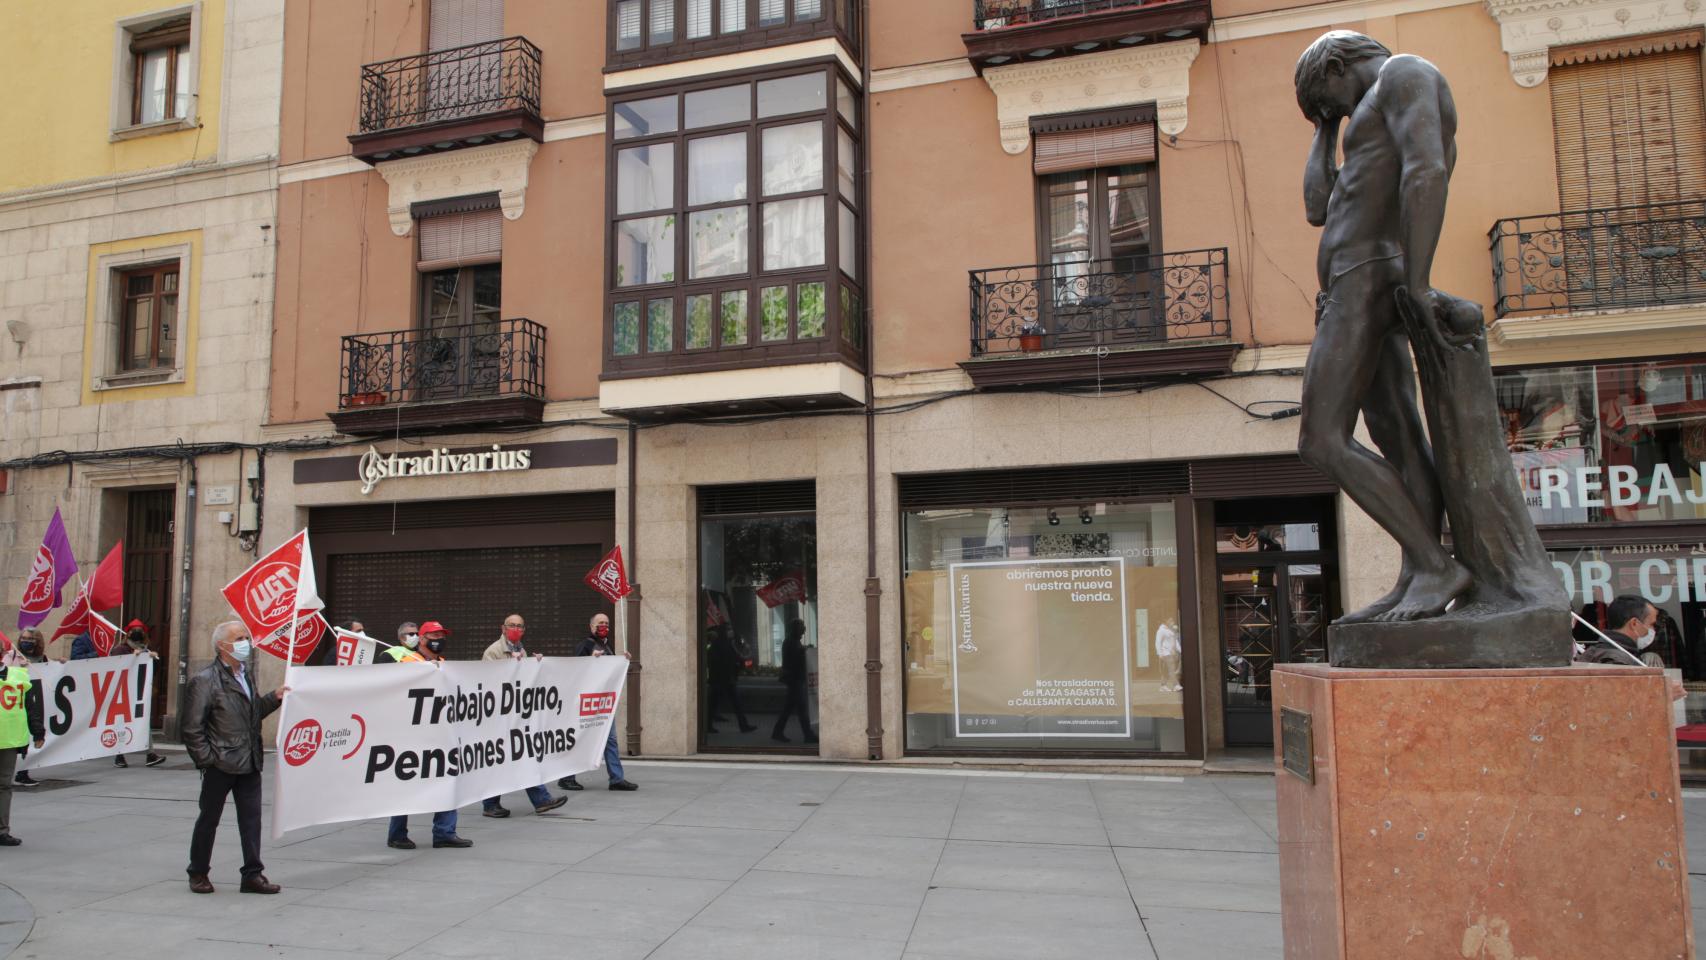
x=375 y=466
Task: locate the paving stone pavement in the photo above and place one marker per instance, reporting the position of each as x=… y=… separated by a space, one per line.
x=706 y=861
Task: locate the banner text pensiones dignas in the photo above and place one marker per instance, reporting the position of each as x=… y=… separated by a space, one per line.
x=434 y=762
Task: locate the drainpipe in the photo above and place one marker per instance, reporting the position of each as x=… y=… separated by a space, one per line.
x=185 y=587
x=873 y=583
x=631 y=622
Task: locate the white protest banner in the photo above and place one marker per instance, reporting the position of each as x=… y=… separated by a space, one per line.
x=92 y=708
x=424 y=737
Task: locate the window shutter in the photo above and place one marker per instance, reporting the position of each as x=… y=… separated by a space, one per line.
x=698 y=19
x=458 y=23
x=1062 y=150
x=460 y=239
x=1629 y=130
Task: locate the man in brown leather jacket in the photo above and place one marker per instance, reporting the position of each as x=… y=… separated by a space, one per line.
x=222 y=731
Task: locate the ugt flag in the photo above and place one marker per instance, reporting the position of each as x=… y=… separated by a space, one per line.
x=277 y=592
x=53 y=566
x=609 y=577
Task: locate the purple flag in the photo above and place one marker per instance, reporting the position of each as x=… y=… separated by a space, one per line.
x=54 y=565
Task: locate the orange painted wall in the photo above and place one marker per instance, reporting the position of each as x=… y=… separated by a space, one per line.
x=571 y=40
x=905 y=32
x=326 y=42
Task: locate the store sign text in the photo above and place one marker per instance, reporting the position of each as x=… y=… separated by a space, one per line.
x=1660 y=580
x=1617 y=486
x=375 y=466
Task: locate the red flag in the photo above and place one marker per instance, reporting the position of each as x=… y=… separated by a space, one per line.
x=310 y=628
x=5 y=642
x=103 y=633
x=788 y=588
x=278 y=590
x=609 y=577
x=106 y=588
x=714 y=615
x=76 y=619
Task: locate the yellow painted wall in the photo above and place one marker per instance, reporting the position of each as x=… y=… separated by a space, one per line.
x=56 y=60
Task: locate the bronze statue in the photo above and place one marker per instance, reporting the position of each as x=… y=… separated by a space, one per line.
x=1497 y=602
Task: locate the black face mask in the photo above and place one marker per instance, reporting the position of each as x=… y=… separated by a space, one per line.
x=436 y=646
x=27 y=649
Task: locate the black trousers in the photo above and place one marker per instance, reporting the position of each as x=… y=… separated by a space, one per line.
x=722 y=692
x=795 y=706
x=215 y=786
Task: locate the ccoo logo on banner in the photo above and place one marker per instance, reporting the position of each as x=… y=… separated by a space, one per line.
x=92 y=708
x=423 y=737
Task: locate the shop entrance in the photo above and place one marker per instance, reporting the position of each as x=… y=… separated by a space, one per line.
x=1278 y=592
x=148 y=578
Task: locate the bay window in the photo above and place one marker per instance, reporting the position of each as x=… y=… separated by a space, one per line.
x=734 y=230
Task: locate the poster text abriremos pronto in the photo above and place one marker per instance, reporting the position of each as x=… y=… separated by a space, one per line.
x=1041 y=648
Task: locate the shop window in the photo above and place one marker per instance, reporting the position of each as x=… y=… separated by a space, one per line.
x=1043 y=629
x=1608 y=443
x=734 y=208
x=148 y=318
x=155 y=72
x=758 y=627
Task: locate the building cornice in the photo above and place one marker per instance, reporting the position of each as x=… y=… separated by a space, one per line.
x=1160 y=74
x=1597 y=335
x=188 y=172
x=498 y=167
x=1529 y=29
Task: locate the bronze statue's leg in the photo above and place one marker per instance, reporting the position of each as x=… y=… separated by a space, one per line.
x=1350 y=349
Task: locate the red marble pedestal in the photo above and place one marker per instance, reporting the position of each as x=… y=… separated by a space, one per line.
x=1498 y=814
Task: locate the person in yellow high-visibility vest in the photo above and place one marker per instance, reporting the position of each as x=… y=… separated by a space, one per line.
x=408 y=641
x=20 y=724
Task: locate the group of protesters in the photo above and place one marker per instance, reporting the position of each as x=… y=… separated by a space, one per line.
x=222 y=732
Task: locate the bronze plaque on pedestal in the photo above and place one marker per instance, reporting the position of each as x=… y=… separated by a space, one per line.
x=1297 y=743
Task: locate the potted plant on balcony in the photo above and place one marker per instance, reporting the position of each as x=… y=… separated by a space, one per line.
x=1031 y=336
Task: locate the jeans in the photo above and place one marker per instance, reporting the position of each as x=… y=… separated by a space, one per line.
x=536 y=795
x=443 y=826
x=215 y=786
x=613 y=759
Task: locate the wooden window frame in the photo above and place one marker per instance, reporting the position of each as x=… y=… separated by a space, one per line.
x=1040 y=189
x=836 y=18
x=174 y=38
x=124 y=299
x=465 y=290
x=838 y=339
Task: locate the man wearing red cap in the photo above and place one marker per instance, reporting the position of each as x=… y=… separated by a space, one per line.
x=136 y=645
x=425 y=645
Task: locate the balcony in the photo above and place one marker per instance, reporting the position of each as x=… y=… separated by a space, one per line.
x=1617 y=258
x=1024 y=31
x=1101 y=321
x=450 y=377
x=449 y=99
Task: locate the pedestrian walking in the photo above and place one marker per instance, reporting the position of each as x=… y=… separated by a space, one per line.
x=598 y=644
x=1633 y=628
x=508 y=646
x=794 y=681
x=135 y=644
x=35 y=651
x=443 y=824
x=20 y=725
x=222 y=731
x=722 y=671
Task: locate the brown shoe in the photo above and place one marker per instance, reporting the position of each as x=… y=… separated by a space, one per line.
x=200 y=884
x=258 y=884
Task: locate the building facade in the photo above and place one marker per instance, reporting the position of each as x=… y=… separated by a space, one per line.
x=137 y=218
x=936 y=364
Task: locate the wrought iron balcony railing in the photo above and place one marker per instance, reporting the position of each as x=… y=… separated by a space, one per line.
x=1641 y=256
x=500 y=358
x=994 y=14
x=460 y=83
x=1125 y=301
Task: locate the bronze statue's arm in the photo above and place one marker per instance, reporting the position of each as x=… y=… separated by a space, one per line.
x=1321 y=172
x=1417 y=106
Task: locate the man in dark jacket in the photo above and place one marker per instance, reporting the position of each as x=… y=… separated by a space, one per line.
x=1632 y=620
x=222 y=732
x=795 y=681
x=135 y=644
x=598 y=644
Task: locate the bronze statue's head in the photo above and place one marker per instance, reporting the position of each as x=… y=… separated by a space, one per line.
x=1326 y=88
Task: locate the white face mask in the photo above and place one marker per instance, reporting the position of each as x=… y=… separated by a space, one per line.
x=1651 y=380
x=411 y=640
x=241 y=649
x=1645 y=640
